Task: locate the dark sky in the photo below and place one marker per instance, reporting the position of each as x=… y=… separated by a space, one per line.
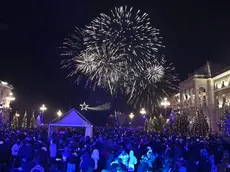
x=32 y=31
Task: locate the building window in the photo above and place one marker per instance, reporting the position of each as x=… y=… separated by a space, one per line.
x=224 y=100
x=217 y=101
x=223 y=84
x=186 y=97
x=204 y=99
x=2 y=93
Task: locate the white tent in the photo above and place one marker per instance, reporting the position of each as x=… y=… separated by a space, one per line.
x=71 y=118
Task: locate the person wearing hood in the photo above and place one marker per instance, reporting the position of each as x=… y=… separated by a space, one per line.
x=132 y=161
x=95 y=156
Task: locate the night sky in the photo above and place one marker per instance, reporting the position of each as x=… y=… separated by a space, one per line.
x=32 y=31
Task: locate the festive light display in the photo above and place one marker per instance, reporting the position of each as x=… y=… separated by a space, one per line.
x=103 y=107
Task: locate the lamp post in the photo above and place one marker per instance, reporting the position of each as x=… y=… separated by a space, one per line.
x=43 y=108
x=59 y=113
x=143 y=111
x=17 y=116
x=131 y=116
x=165 y=103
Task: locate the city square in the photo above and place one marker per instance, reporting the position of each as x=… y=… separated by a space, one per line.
x=120 y=86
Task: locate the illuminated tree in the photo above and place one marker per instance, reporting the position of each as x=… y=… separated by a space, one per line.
x=200 y=126
x=156 y=124
x=225 y=122
x=32 y=121
x=117 y=119
x=181 y=124
x=24 y=120
x=14 y=122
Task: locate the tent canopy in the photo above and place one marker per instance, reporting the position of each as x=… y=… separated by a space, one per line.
x=71 y=118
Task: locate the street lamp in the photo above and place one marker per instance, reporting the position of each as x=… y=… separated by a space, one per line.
x=143 y=111
x=59 y=113
x=165 y=103
x=131 y=116
x=43 y=108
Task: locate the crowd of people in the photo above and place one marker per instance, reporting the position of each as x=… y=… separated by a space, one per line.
x=110 y=150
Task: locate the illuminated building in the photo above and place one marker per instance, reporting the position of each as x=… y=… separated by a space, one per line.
x=207 y=89
x=6 y=97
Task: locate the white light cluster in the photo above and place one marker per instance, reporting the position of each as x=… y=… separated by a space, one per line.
x=4 y=83
x=165 y=103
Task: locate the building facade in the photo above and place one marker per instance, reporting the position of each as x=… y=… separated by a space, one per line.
x=207 y=89
x=6 y=97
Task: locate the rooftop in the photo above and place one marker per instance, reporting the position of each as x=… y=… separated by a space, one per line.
x=208 y=70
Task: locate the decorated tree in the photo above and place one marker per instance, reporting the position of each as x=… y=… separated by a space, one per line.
x=117 y=119
x=14 y=122
x=150 y=124
x=24 y=120
x=32 y=121
x=156 y=124
x=225 y=122
x=161 y=121
x=181 y=124
x=200 y=126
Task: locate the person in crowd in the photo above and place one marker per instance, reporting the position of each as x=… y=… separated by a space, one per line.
x=124 y=157
x=65 y=156
x=96 y=157
x=38 y=167
x=132 y=161
x=53 y=149
x=85 y=162
x=15 y=154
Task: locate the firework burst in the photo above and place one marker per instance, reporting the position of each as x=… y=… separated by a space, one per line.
x=129 y=30
x=146 y=88
x=121 y=51
x=103 y=66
